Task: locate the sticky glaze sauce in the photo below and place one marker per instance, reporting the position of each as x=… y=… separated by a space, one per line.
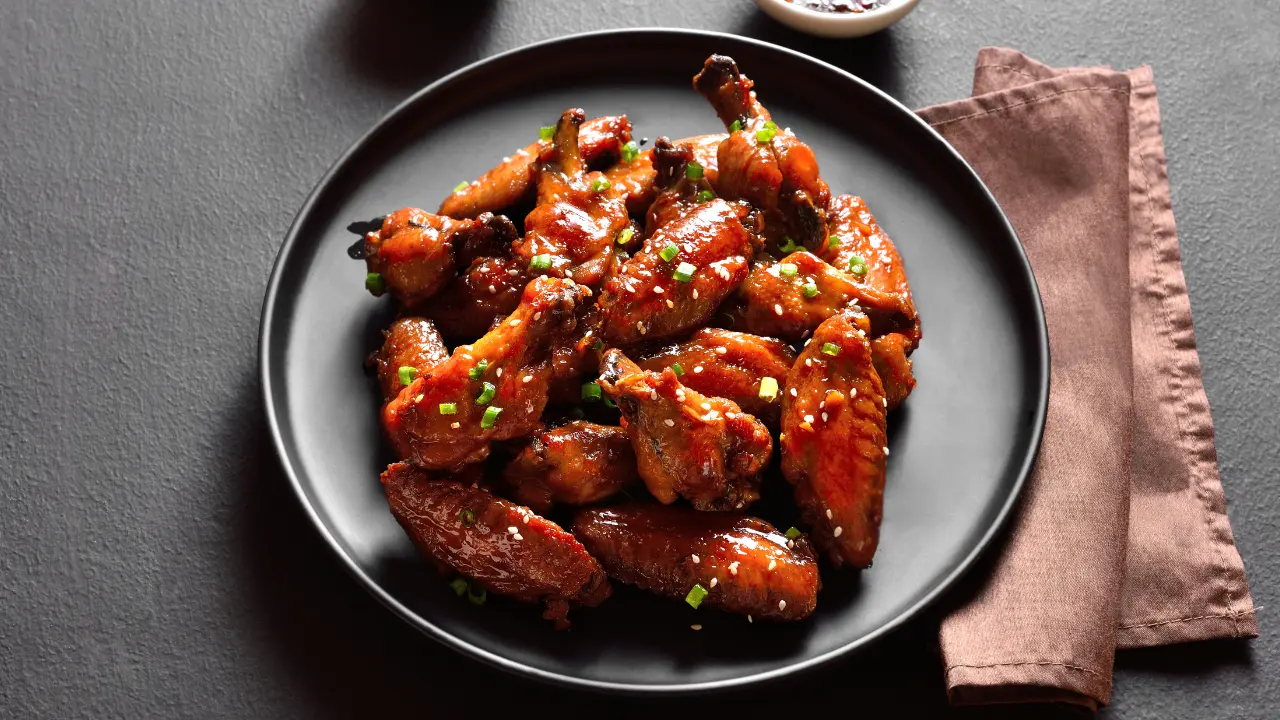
x=840 y=6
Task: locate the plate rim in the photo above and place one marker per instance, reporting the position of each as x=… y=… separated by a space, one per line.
x=292 y=240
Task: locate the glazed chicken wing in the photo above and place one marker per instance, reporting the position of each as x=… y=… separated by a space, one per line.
x=494 y=389
x=512 y=182
x=889 y=356
x=731 y=365
x=410 y=342
x=636 y=181
x=580 y=463
x=415 y=254
x=833 y=440
x=762 y=163
x=744 y=564
x=572 y=230
x=704 y=449
x=489 y=289
x=656 y=296
x=789 y=299
x=503 y=546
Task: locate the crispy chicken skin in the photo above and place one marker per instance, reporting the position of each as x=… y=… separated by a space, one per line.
x=580 y=463
x=468 y=529
x=646 y=302
x=518 y=356
x=728 y=364
x=576 y=219
x=416 y=253
x=512 y=182
x=409 y=342
x=833 y=440
x=762 y=163
x=777 y=305
x=745 y=565
x=704 y=449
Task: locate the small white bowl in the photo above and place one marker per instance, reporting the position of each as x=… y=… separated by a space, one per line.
x=837 y=25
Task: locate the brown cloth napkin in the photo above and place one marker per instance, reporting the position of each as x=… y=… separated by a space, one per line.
x=1122 y=538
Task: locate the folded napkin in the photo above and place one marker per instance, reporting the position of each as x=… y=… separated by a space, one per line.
x=1122 y=538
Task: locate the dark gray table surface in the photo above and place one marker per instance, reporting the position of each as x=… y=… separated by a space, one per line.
x=153 y=561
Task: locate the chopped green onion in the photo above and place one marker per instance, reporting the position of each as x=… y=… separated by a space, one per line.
x=788 y=269
x=609 y=403
x=597 y=345
x=669 y=252
x=695 y=596
x=477 y=371
x=624 y=237
x=788 y=245
x=684 y=272
x=768 y=389
x=833 y=242
x=705 y=196
x=693 y=170
x=591 y=391
x=857 y=266
x=810 y=290
x=630 y=152
x=540 y=262
x=735 y=126
x=460 y=186
x=546 y=132
x=600 y=184
x=477 y=598
x=830 y=349
x=407 y=374
x=486 y=394
x=448 y=408
x=459 y=586
x=793 y=533
x=490 y=417
x=467 y=517
x=675 y=368
x=766 y=133
x=374 y=283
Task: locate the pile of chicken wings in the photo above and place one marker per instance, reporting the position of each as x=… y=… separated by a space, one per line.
x=666 y=321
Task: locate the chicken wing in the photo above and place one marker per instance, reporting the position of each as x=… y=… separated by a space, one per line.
x=683 y=273
x=572 y=230
x=730 y=365
x=889 y=356
x=512 y=182
x=579 y=463
x=704 y=449
x=490 y=288
x=788 y=299
x=762 y=163
x=494 y=389
x=833 y=440
x=410 y=342
x=414 y=253
x=500 y=545
x=861 y=248
x=743 y=564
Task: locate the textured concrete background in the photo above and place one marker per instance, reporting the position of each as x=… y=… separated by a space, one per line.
x=152 y=154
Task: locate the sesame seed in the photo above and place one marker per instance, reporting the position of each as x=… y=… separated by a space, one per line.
x=773 y=564
x=527 y=379
x=793 y=392
x=695 y=293
x=455 y=426
x=696 y=627
x=513 y=272
x=640 y=327
x=669 y=422
x=493 y=290
x=653 y=394
x=697 y=369
x=828 y=513
x=782 y=604
x=525 y=519
x=824 y=417
x=630 y=286
x=514 y=323
x=709 y=416
x=706 y=406
x=670 y=304
x=658 y=289
x=537 y=316
x=808 y=362
x=837 y=531
x=853 y=393
x=499 y=372
x=695 y=559
x=417 y=398
x=733 y=567
x=777 y=308
x=518 y=536
x=680 y=394
x=506 y=159
x=568 y=274
x=886 y=450
x=749 y=619
x=822 y=404
x=713 y=582
x=513 y=529
x=885 y=401
x=731 y=415
x=808 y=418
x=722 y=350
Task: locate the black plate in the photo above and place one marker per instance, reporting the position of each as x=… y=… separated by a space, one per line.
x=961 y=447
